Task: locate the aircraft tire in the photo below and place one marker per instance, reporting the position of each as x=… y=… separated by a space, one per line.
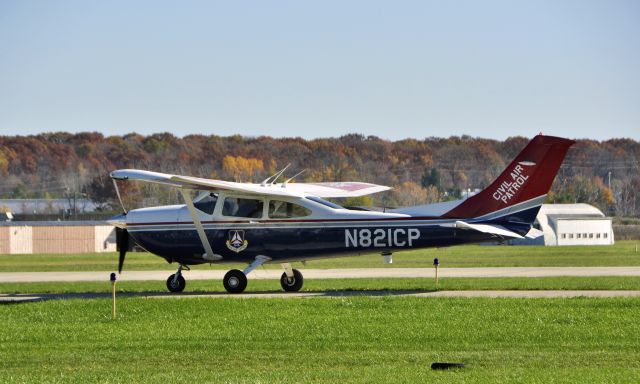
x=178 y=285
x=235 y=281
x=293 y=285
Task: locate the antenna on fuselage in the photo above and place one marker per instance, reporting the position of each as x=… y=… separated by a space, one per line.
x=291 y=178
x=274 y=176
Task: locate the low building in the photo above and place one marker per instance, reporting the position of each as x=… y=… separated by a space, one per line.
x=23 y=237
x=571 y=224
x=49 y=206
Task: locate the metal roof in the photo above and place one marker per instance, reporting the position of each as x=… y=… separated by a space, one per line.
x=53 y=223
x=570 y=210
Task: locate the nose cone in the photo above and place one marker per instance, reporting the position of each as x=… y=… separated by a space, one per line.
x=119 y=221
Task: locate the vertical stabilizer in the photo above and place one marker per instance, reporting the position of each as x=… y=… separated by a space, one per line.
x=527 y=179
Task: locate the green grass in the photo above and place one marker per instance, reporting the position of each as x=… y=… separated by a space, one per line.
x=621 y=254
x=312 y=285
x=355 y=339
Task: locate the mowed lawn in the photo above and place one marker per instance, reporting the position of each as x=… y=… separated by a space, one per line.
x=355 y=339
x=364 y=286
x=623 y=253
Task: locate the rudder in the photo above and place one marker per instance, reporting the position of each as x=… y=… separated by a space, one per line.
x=525 y=182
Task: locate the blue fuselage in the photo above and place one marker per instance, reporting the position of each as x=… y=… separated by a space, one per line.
x=301 y=240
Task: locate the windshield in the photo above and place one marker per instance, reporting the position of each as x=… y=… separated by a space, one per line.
x=324 y=202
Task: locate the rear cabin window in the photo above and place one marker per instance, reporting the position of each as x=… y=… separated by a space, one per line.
x=285 y=210
x=207 y=204
x=239 y=207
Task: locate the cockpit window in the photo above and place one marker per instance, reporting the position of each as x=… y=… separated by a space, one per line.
x=285 y=210
x=324 y=202
x=207 y=203
x=239 y=207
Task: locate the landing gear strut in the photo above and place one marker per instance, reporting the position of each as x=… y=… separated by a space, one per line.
x=175 y=282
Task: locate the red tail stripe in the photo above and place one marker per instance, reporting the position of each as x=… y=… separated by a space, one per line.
x=528 y=176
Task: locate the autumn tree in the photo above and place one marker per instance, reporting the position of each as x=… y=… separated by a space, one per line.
x=410 y=193
x=240 y=168
x=603 y=173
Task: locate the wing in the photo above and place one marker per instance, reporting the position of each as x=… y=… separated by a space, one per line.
x=346 y=189
x=188 y=182
x=342 y=189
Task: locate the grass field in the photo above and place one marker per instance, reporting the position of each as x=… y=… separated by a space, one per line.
x=357 y=339
x=621 y=254
x=350 y=339
x=311 y=285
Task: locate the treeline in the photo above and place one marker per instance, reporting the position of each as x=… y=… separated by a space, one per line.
x=605 y=174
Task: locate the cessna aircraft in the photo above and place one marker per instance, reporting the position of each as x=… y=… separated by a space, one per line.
x=286 y=222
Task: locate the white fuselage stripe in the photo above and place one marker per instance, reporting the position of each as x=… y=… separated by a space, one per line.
x=358 y=223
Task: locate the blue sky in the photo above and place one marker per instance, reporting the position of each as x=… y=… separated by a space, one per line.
x=393 y=69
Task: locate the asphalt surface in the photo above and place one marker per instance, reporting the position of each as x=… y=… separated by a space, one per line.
x=356 y=273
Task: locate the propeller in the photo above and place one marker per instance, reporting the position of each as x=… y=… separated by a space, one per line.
x=122 y=242
x=122 y=235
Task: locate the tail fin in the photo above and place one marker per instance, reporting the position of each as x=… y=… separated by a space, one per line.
x=522 y=186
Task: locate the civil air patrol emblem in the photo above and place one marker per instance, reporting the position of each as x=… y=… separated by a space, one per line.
x=236 y=241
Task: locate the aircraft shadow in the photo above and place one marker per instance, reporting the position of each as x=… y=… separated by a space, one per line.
x=21 y=298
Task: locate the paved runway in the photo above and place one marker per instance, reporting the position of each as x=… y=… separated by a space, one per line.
x=23 y=298
x=357 y=273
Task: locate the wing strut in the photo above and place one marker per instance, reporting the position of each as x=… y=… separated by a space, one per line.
x=209 y=255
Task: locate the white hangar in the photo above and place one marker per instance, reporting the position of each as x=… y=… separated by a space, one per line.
x=571 y=224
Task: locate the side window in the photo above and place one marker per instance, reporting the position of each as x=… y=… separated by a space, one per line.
x=239 y=207
x=207 y=204
x=284 y=210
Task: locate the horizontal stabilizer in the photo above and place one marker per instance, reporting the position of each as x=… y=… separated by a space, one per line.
x=534 y=233
x=497 y=230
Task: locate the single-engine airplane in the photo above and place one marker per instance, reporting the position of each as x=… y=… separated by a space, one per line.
x=271 y=222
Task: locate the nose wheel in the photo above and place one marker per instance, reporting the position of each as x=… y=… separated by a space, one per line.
x=175 y=282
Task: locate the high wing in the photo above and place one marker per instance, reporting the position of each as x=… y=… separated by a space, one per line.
x=324 y=190
x=337 y=189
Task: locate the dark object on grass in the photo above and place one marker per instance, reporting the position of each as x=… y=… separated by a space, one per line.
x=442 y=366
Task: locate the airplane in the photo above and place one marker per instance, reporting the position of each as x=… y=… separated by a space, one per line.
x=286 y=222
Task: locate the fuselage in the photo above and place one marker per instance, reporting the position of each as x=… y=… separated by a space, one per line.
x=240 y=228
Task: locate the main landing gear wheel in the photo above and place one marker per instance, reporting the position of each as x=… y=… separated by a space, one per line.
x=176 y=284
x=292 y=284
x=235 y=281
